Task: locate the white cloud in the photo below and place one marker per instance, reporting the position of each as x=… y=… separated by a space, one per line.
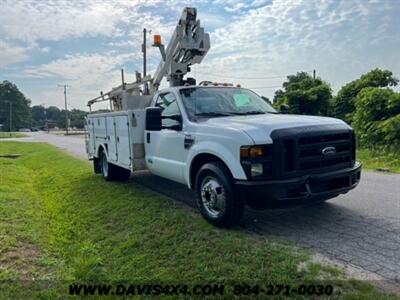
x=83 y=68
x=335 y=37
x=55 y=20
x=45 y=49
x=86 y=73
x=11 y=54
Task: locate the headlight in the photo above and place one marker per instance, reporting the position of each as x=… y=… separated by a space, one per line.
x=257 y=161
x=256 y=170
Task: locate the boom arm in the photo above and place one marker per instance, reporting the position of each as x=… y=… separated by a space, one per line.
x=188 y=45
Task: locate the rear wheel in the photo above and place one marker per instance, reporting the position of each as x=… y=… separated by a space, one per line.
x=112 y=172
x=215 y=195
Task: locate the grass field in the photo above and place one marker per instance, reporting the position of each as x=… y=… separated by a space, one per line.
x=59 y=223
x=5 y=135
x=379 y=160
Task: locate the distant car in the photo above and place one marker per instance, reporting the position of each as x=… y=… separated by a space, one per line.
x=34 y=129
x=24 y=130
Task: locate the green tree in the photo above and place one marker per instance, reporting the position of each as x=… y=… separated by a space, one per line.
x=60 y=120
x=57 y=116
x=343 y=105
x=21 y=114
x=304 y=95
x=53 y=113
x=38 y=115
x=77 y=118
x=377 y=117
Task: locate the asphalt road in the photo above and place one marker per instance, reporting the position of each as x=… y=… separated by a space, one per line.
x=361 y=228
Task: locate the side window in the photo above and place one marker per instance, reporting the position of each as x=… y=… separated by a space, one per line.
x=169 y=107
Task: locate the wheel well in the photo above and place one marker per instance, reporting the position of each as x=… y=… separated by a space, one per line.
x=100 y=149
x=198 y=162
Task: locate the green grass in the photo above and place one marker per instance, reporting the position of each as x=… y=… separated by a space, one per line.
x=60 y=223
x=380 y=160
x=5 y=135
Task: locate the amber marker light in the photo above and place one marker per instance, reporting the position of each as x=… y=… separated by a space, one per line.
x=244 y=152
x=256 y=151
x=157 y=40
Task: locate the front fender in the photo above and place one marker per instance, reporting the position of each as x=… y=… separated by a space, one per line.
x=218 y=150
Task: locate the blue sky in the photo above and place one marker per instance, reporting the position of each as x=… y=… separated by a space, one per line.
x=254 y=43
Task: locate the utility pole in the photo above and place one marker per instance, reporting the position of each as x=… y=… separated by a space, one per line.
x=313 y=74
x=10 y=118
x=144 y=52
x=47 y=122
x=66 y=108
x=45 y=117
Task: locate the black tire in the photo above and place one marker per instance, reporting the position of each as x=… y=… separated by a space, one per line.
x=112 y=172
x=215 y=196
x=96 y=165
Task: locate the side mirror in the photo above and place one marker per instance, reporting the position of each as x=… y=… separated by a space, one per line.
x=284 y=108
x=153 y=119
x=177 y=119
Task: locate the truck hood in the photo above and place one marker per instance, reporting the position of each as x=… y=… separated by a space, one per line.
x=259 y=127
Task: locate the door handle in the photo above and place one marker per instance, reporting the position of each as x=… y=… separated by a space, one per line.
x=188 y=141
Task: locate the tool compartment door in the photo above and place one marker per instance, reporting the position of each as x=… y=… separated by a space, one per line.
x=89 y=137
x=122 y=138
x=111 y=139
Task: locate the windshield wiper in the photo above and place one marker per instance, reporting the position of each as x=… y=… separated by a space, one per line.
x=229 y=113
x=253 y=112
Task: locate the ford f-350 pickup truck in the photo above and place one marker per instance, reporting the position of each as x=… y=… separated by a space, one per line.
x=228 y=145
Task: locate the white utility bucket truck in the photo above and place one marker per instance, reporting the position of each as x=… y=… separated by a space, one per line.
x=223 y=141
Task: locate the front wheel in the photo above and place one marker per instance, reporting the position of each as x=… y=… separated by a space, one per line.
x=215 y=196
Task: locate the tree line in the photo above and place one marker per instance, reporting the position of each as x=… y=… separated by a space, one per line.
x=13 y=101
x=368 y=103
x=52 y=116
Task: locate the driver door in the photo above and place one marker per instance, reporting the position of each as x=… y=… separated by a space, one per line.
x=165 y=152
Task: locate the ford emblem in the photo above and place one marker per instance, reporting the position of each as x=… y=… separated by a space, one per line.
x=328 y=151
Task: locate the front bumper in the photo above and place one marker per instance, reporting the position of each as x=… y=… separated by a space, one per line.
x=300 y=190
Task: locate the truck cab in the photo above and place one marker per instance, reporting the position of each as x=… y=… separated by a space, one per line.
x=233 y=148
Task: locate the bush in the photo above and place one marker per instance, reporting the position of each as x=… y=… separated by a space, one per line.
x=304 y=95
x=343 y=105
x=377 y=117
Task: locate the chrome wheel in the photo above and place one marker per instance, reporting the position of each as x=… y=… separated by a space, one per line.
x=213 y=196
x=104 y=165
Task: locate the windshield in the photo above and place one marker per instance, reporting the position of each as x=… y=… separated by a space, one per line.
x=219 y=102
